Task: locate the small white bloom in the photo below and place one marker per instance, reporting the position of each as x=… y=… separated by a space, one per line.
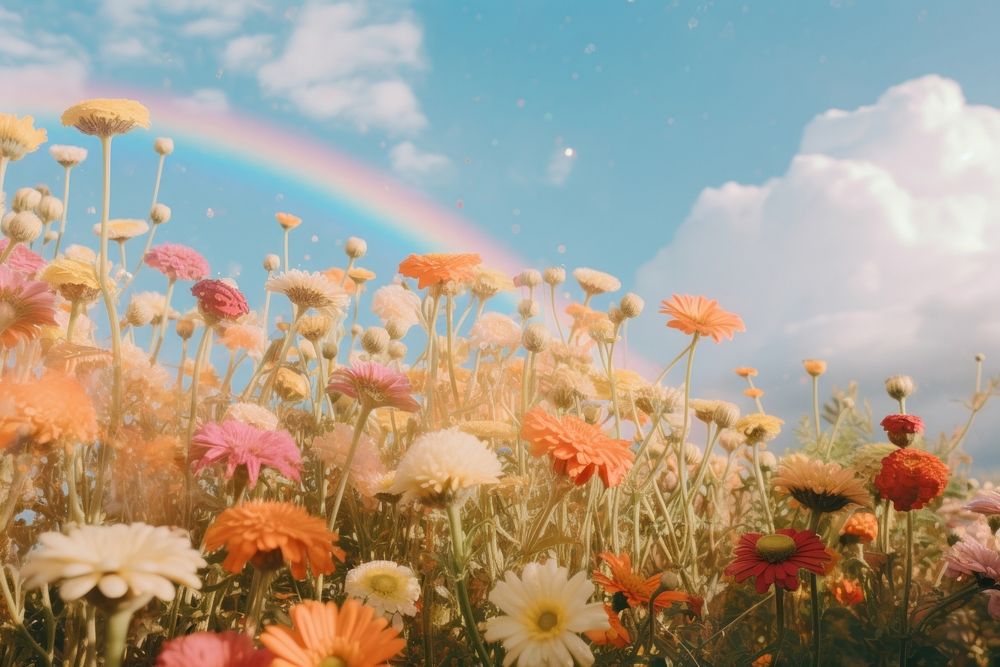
x=395 y=302
x=310 y=290
x=390 y=588
x=594 y=282
x=443 y=467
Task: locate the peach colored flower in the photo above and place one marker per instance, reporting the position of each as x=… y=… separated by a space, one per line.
x=287 y=220
x=22 y=258
x=437 y=268
x=25 y=307
x=577 y=449
x=698 y=315
x=242 y=445
x=54 y=408
x=210 y=649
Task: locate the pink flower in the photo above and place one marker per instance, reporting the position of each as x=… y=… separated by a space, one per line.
x=985 y=502
x=395 y=302
x=375 y=386
x=22 y=259
x=495 y=330
x=366 y=467
x=25 y=307
x=177 y=262
x=219 y=300
x=901 y=429
x=970 y=557
x=240 y=444
x=208 y=649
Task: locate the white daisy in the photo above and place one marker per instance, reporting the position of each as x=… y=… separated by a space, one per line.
x=545 y=611
x=387 y=586
x=310 y=290
x=124 y=562
x=442 y=467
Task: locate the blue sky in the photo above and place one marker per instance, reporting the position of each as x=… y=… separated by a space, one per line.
x=478 y=102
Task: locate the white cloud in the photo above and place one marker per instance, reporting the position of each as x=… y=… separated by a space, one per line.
x=341 y=62
x=414 y=163
x=38 y=62
x=247 y=52
x=560 y=165
x=210 y=100
x=878 y=249
x=126 y=49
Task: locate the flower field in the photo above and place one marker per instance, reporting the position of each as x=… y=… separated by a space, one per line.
x=403 y=473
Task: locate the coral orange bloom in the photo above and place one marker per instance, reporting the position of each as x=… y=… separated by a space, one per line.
x=848 y=592
x=911 y=478
x=53 y=409
x=746 y=371
x=269 y=533
x=861 y=527
x=337 y=276
x=698 y=315
x=437 y=268
x=323 y=634
x=635 y=588
x=616 y=635
x=577 y=449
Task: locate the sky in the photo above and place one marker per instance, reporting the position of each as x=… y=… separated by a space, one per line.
x=828 y=170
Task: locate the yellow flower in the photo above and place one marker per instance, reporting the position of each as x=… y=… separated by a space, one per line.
x=759 y=427
x=106 y=117
x=18 y=136
x=123 y=229
x=74 y=279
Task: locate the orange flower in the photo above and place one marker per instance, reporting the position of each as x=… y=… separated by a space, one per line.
x=616 y=635
x=268 y=533
x=636 y=589
x=337 y=276
x=847 y=592
x=323 y=634
x=577 y=449
x=815 y=367
x=437 y=268
x=287 y=220
x=753 y=392
x=698 y=315
x=746 y=371
x=861 y=527
x=54 y=408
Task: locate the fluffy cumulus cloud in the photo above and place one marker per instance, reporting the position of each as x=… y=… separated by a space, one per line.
x=417 y=164
x=345 y=61
x=205 y=100
x=878 y=249
x=32 y=58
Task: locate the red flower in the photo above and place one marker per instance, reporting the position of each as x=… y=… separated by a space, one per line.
x=848 y=592
x=777 y=559
x=911 y=478
x=219 y=300
x=902 y=429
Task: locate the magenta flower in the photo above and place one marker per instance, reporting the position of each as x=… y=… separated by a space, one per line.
x=177 y=262
x=902 y=429
x=240 y=444
x=22 y=259
x=208 y=649
x=986 y=503
x=219 y=300
x=374 y=386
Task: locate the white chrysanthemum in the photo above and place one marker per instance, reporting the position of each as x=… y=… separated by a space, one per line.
x=68 y=156
x=122 y=560
x=252 y=415
x=310 y=290
x=152 y=304
x=395 y=302
x=545 y=610
x=390 y=588
x=595 y=282
x=495 y=330
x=442 y=467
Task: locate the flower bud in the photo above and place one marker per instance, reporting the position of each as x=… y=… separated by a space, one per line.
x=375 y=340
x=554 y=275
x=632 y=305
x=163 y=145
x=395 y=328
x=291 y=385
x=591 y=412
x=529 y=278
x=815 y=367
x=185 y=327
x=355 y=248
x=726 y=414
x=669 y=581
x=397 y=350
x=159 y=214
x=603 y=331
x=43 y=189
x=535 y=338
x=271 y=262
x=49 y=209
x=139 y=313
x=330 y=350
x=899 y=386
x=980 y=357
x=51 y=236
x=23 y=227
x=356 y=330
x=731 y=440
x=26 y=199
x=527 y=309
x=314 y=327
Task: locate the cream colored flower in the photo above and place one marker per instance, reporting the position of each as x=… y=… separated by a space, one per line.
x=123 y=229
x=819 y=486
x=123 y=562
x=252 y=414
x=106 y=117
x=544 y=611
x=395 y=302
x=595 y=282
x=443 y=467
x=495 y=330
x=390 y=588
x=18 y=136
x=310 y=290
x=759 y=427
x=489 y=282
x=68 y=156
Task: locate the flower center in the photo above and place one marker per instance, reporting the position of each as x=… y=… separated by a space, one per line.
x=775 y=548
x=547 y=620
x=383 y=584
x=332 y=661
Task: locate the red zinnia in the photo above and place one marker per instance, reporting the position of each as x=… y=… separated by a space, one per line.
x=219 y=300
x=577 y=449
x=902 y=429
x=848 y=592
x=911 y=478
x=777 y=558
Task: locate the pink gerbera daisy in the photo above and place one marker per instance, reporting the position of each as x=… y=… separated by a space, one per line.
x=209 y=649
x=22 y=259
x=240 y=444
x=219 y=300
x=25 y=307
x=986 y=503
x=969 y=558
x=177 y=262
x=375 y=386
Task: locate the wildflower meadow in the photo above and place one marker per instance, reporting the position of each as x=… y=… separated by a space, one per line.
x=446 y=466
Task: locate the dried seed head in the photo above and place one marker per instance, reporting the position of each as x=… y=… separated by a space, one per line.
x=159 y=214
x=395 y=328
x=164 y=145
x=527 y=309
x=632 y=305
x=26 y=199
x=529 y=278
x=375 y=340
x=397 y=350
x=355 y=248
x=555 y=275
x=271 y=262
x=899 y=386
x=23 y=227
x=535 y=338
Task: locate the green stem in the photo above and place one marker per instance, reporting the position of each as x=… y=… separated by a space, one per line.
x=461 y=587
x=907 y=582
x=115 y=636
x=814 y=520
x=815 y=384
x=65 y=213
x=345 y=472
x=163 y=321
x=779 y=622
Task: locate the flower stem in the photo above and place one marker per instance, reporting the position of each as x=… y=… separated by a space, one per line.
x=345 y=473
x=163 y=322
x=65 y=213
x=759 y=476
x=815 y=384
x=814 y=520
x=115 y=636
x=907 y=582
x=461 y=587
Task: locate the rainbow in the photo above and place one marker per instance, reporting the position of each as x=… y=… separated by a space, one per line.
x=375 y=197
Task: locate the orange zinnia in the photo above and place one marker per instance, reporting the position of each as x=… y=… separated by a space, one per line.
x=52 y=409
x=616 y=635
x=436 y=268
x=268 y=533
x=322 y=633
x=578 y=449
x=698 y=315
x=636 y=589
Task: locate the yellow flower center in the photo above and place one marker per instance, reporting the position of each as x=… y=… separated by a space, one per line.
x=332 y=661
x=775 y=548
x=383 y=584
x=548 y=622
